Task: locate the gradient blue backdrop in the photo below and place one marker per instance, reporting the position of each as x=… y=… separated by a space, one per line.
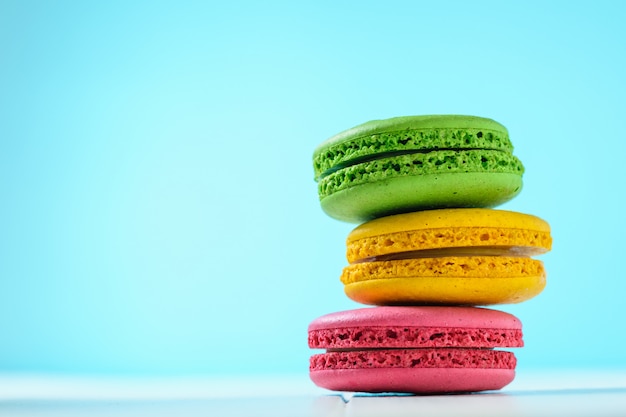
x=158 y=211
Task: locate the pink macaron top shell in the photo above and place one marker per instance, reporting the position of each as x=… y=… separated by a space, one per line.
x=419 y=316
x=415 y=327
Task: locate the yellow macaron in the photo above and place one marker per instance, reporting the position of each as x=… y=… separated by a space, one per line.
x=461 y=256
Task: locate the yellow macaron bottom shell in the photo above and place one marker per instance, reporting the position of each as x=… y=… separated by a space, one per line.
x=445 y=290
x=450 y=266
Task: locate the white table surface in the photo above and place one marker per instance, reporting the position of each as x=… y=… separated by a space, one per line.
x=555 y=393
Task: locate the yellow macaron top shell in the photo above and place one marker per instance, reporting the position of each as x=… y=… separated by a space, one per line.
x=486 y=229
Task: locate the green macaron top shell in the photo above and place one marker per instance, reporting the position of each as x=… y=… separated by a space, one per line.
x=408 y=134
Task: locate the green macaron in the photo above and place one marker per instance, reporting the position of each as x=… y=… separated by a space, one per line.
x=411 y=163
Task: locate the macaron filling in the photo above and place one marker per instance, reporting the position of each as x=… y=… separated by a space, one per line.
x=510 y=251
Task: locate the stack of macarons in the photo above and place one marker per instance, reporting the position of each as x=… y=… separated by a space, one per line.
x=429 y=254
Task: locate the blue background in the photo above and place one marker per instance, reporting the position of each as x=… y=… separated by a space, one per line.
x=159 y=214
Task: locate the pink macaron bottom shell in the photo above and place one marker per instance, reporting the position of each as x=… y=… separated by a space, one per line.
x=413 y=380
x=414 y=358
x=430 y=370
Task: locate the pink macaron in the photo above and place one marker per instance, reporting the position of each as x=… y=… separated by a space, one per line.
x=421 y=350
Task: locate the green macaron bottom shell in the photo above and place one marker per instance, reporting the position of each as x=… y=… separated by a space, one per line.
x=438 y=162
x=396 y=195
